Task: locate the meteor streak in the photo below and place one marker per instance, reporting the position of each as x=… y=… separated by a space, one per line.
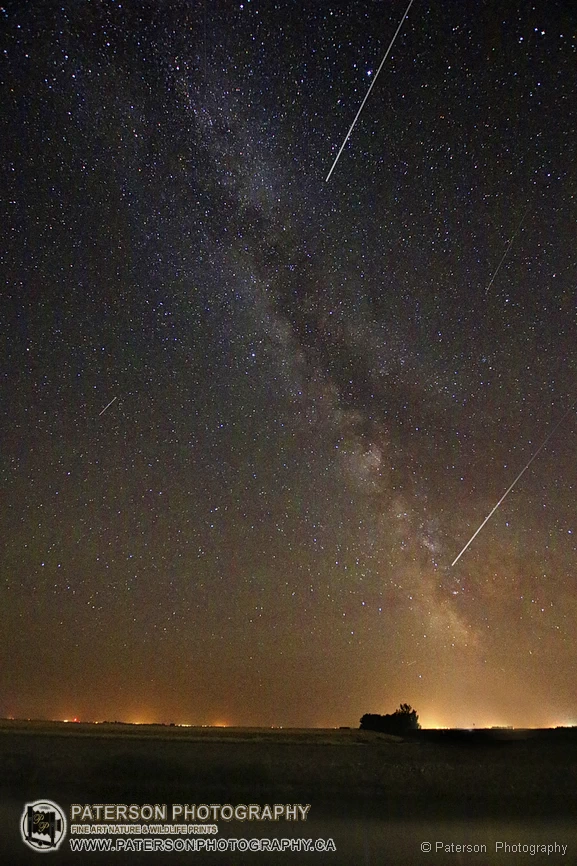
x=388 y=51
x=506 y=493
x=106 y=407
x=507 y=248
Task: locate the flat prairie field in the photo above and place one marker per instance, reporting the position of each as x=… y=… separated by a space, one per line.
x=227 y=796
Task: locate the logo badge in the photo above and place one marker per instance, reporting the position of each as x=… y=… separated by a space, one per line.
x=43 y=825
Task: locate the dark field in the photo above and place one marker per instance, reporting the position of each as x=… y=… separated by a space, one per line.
x=377 y=796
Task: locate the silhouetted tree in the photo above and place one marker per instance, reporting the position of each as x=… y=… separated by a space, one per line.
x=400 y=722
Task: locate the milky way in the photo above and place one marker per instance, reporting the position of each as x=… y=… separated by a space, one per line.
x=318 y=401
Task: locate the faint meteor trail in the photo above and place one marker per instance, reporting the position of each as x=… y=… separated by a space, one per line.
x=388 y=51
x=507 y=248
x=107 y=406
x=522 y=472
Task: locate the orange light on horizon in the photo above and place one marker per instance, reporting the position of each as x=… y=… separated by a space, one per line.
x=431 y=723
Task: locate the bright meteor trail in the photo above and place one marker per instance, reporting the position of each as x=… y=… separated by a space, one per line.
x=522 y=472
x=106 y=407
x=388 y=51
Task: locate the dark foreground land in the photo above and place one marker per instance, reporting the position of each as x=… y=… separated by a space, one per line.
x=378 y=797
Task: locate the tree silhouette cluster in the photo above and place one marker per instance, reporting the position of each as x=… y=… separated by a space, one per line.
x=400 y=722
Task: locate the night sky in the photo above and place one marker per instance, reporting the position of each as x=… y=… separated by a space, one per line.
x=319 y=390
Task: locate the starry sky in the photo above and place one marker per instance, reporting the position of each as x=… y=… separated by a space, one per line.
x=319 y=390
